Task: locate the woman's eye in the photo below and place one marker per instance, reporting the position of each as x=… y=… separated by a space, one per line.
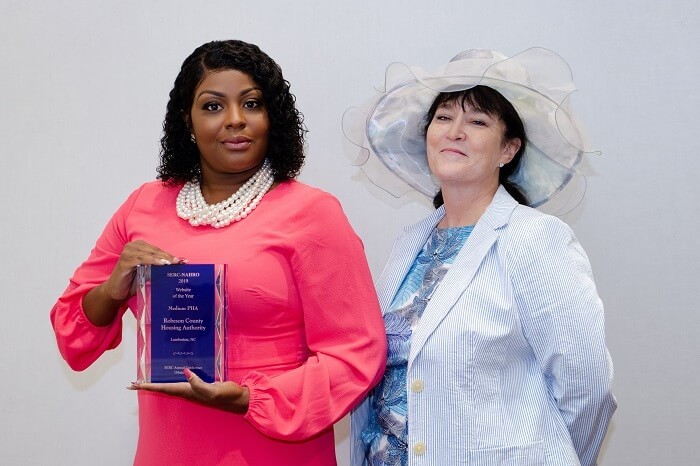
x=212 y=106
x=442 y=117
x=479 y=122
x=252 y=103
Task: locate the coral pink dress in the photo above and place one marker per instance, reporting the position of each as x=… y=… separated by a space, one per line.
x=304 y=329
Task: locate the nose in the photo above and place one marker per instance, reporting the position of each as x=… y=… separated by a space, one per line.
x=235 y=117
x=456 y=130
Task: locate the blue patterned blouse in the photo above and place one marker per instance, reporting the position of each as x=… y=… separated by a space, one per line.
x=385 y=436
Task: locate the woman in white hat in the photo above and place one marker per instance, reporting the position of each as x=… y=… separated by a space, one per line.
x=496 y=336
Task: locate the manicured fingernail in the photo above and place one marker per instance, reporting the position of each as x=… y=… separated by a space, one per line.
x=188 y=373
x=165 y=261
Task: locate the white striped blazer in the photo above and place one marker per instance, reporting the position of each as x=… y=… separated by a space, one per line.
x=508 y=364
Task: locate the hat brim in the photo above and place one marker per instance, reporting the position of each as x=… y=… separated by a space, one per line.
x=555 y=140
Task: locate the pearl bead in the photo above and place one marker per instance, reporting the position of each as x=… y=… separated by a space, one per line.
x=191 y=205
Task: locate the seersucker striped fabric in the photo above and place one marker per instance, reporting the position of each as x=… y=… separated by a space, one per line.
x=508 y=365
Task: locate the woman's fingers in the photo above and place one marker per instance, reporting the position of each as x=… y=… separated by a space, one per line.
x=194 y=389
x=181 y=389
x=142 y=253
x=139 y=252
x=227 y=396
x=204 y=391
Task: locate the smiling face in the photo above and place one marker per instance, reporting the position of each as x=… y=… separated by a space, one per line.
x=231 y=126
x=465 y=146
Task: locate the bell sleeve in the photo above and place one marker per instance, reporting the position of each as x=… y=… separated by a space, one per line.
x=81 y=342
x=344 y=332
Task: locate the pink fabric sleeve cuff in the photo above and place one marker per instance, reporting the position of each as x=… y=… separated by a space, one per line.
x=269 y=411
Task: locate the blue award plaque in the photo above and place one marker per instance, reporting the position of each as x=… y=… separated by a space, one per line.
x=181 y=313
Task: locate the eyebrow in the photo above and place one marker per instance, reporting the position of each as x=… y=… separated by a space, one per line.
x=222 y=95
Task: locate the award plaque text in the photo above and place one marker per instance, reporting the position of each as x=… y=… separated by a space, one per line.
x=181 y=312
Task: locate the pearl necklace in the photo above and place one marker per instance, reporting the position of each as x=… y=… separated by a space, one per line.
x=191 y=205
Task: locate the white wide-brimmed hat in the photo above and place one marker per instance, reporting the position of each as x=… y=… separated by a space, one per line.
x=537 y=82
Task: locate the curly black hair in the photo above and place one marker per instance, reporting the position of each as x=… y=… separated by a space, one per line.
x=179 y=156
x=492 y=102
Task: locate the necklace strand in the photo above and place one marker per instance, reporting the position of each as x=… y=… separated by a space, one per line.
x=192 y=206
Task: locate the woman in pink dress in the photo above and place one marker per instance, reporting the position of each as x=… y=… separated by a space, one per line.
x=304 y=332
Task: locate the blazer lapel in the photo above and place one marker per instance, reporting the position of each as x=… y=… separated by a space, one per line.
x=406 y=248
x=462 y=271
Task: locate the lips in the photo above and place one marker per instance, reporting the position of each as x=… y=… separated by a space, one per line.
x=453 y=151
x=237 y=143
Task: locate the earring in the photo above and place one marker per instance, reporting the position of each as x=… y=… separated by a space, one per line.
x=192 y=138
x=500 y=165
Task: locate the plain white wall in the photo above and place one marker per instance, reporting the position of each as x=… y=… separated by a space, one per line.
x=84 y=90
